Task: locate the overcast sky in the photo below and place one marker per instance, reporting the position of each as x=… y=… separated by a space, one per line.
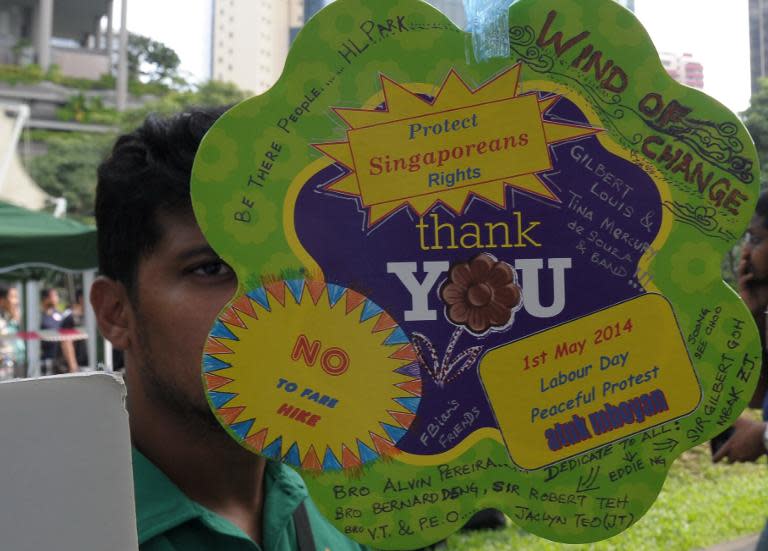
x=162 y=20
x=715 y=32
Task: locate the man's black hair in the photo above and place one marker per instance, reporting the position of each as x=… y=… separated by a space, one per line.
x=4 y=290
x=761 y=209
x=45 y=293
x=147 y=172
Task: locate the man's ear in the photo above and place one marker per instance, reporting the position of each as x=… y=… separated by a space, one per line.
x=114 y=311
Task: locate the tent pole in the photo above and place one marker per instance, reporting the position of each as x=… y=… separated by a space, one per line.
x=33 y=324
x=19 y=286
x=90 y=318
x=109 y=365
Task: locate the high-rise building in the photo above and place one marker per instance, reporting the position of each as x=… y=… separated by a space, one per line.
x=250 y=40
x=683 y=68
x=311 y=7
x=758 y=41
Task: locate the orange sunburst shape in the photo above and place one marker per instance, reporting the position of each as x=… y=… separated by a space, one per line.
x=463 y=143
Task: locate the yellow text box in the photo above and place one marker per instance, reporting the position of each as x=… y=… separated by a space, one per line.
x=589 y=382
x=451 y=149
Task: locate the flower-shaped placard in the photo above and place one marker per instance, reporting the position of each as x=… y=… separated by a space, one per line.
x=470 y=284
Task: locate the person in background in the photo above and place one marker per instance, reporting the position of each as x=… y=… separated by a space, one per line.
x=749 y=440
x=50 y=319
x=160 y=291
x=75 y=319
x=56 y=357
x=11 y=349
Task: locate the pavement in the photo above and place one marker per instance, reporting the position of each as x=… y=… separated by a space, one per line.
x=743 y=544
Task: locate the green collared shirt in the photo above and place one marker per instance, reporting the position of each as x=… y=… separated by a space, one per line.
x=169 y=521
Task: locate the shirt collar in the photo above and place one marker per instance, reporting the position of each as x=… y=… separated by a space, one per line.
x=162 y=506
x=284 y=492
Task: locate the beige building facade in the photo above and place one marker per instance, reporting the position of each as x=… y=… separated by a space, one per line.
x=250 y=40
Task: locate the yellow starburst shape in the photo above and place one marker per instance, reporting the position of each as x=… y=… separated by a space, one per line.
x=462 y=143
x=312 y=374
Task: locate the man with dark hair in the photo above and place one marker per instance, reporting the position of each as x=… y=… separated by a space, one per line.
x=73 y=320
x=50 y=351
x=160 y=290
x=57 y=357
x=749 y=440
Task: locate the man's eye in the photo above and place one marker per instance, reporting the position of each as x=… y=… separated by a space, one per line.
x=211 y=269
x=753 y=239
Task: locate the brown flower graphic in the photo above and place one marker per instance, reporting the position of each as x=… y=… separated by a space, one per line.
x=481 y=294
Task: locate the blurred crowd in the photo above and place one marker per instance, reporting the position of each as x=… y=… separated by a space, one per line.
x=61 y=334
x=12 y=349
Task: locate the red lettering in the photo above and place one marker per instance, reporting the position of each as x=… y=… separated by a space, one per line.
x=557 y=38
x=302 y=348
x=334 y=361
x=647 y=150
x=298 y=414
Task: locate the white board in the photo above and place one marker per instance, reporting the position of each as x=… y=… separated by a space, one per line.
x=66 y=481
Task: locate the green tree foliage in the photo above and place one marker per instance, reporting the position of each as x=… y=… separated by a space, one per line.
x=209 y=94
x=756 y=120
x=152 y=61
x=68 y=168
x=87 y=109
x=214 y=93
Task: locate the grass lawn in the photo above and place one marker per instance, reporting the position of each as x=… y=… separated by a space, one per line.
x=701 y=504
